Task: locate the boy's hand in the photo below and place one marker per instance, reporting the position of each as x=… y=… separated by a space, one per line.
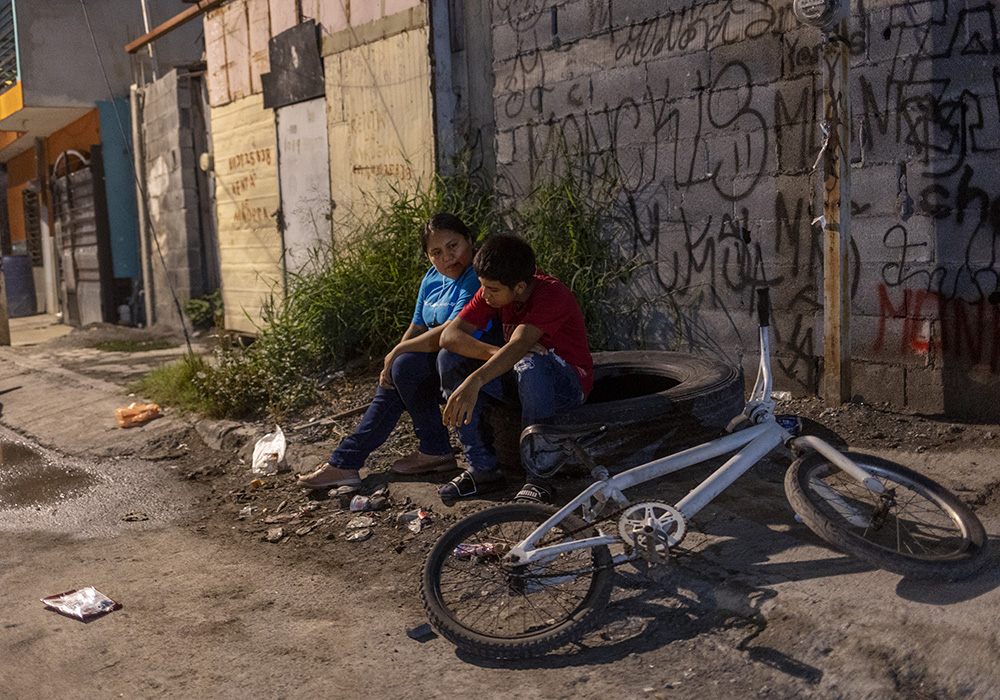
x=458 y=410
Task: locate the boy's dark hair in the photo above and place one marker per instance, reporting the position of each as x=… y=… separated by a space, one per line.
x=505 y=259
x=444 y=222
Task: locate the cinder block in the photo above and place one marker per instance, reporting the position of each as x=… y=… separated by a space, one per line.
x=924 y=389
x=581 y=18
x=675 y=77
x=759 y=58
x=801 y=51
x=878 y=383
x=614 y=87
x=628 y=12
x=506 y=42
x=875 y=191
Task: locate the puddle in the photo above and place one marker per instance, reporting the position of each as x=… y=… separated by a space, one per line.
x=28 y=479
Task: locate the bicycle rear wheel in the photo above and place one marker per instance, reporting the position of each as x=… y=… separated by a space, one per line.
x=916 y=528
x=490 y=608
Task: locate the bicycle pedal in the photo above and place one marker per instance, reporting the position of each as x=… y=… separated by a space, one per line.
x=789 y=422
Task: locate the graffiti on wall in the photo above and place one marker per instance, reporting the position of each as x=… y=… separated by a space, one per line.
x=716 y=144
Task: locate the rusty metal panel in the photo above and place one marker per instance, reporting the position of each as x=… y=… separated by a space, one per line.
x=384 y=136
x=303 y=164
x=258 y=17
x=246 y=177
x=234 y=22
x=283 y=15
x=215 y=53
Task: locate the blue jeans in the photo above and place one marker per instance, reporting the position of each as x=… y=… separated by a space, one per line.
x=541 y=385
x=417 y=392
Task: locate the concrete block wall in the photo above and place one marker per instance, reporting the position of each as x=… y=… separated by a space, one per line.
x=172 y=195
x=712 y=112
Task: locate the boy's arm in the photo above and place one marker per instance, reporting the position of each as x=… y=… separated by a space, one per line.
x=457 y=337
x=458 y=410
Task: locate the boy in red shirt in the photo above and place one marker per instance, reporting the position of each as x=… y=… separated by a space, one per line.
x=544 y=364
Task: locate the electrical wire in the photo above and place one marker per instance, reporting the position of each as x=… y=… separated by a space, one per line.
x=138 y=184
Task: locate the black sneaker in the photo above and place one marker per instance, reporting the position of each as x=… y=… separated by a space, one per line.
x=472 y=482
x=536 y=493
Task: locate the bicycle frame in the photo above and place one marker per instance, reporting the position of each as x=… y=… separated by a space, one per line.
x=751 y=444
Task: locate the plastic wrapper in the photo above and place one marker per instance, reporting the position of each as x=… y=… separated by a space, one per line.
x=136 y=414
x=82 y=604
x=269 y=453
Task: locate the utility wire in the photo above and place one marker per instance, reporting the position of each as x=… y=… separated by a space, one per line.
x=139 y=186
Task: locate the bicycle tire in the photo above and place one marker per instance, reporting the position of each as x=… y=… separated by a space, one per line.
x=514 y=613
x=923 y=531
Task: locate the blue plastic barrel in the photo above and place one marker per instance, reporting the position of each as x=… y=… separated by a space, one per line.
x=20 y=285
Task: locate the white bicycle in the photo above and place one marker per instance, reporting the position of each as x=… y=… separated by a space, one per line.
x=521 y=579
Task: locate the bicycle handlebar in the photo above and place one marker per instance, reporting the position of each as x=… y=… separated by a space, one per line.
x=763 y=306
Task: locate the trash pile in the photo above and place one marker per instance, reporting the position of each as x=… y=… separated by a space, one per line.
x=339 y=513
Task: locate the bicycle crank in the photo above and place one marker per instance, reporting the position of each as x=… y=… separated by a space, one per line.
x=651 y=529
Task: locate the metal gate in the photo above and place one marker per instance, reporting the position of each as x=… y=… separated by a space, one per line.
x=77 y=240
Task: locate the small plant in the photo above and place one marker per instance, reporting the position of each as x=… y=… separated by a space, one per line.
x=205 y=311
x=174 y=384
x=574 y=224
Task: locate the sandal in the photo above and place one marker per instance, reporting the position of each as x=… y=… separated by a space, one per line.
x=536 y=493
x=470 y=483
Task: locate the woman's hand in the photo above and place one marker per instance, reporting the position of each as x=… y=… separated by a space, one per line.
x=385 y=377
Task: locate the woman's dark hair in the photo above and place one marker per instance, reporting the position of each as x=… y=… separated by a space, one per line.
x=444 y=222
x=505 y=259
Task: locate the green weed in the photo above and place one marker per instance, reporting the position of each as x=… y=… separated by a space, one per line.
x=174 y=384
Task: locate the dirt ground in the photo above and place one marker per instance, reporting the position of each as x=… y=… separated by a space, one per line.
x=244 y=586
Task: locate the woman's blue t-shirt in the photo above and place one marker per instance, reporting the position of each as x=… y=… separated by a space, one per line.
x=441 y=298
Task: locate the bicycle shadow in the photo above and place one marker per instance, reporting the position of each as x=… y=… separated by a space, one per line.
x=668 y=605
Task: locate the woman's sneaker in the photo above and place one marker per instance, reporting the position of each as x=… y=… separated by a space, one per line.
x=472 y=482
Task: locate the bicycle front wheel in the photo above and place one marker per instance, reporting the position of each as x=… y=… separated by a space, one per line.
x=915 y=528
x=491 y=608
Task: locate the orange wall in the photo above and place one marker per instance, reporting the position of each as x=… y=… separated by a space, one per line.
x=15 y=213
x=21 y=168
x=78 y=136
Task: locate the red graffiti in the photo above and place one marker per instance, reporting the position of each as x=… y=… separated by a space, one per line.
x=968 y=332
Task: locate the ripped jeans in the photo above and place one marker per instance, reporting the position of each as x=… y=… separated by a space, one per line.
x=542 y=385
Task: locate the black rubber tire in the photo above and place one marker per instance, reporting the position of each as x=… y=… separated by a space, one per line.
x=655 y=403
x=927 y=532
x=487 y=582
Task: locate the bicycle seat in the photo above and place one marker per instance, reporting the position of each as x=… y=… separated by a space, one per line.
x=546 y=448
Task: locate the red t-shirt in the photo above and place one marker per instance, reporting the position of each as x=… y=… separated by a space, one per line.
x=551 y=308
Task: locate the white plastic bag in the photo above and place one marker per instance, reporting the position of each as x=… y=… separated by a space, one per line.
x=269 y=453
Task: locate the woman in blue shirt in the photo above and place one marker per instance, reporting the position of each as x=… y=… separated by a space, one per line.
x=409 y=380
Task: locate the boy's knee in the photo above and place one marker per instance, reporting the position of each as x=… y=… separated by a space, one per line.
x=452 y=368
x=525 y=365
